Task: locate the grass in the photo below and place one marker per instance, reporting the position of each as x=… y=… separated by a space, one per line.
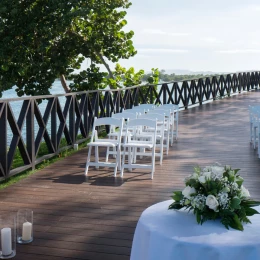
x=43 y=150
x=18 y=161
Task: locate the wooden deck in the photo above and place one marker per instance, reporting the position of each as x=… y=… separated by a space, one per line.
x=95 y=217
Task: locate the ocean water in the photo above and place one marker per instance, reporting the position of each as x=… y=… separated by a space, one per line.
x=16 y=108
x=55 y=89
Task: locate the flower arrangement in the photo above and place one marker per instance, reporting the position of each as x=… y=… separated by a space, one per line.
x=216 y=192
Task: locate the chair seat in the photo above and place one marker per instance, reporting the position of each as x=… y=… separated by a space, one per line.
x=106 y=143
x=138 y=145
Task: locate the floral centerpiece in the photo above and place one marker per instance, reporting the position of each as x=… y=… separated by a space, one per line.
x=216 y=192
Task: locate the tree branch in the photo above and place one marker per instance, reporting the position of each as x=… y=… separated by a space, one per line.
x=110 y=73
x=64 y=84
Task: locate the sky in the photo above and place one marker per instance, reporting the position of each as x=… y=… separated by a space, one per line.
x=208 y=35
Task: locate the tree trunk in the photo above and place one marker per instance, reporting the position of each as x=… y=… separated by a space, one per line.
x=64 y=84
x=107 y=67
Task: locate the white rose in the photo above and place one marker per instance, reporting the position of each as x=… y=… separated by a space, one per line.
x=194 y=176
x=218 y=171
x=202 y=179
x=212 y=202
x=244 y=192
x=207 y=175
x=188 y=191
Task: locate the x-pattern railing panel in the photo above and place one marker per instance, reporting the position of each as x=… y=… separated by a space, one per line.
x=77 y=114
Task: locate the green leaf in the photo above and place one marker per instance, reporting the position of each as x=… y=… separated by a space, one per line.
x=177 y=195
x=175 y=205
x=198 y=217
x=235 y=203
x=236 y=223
x=251 y=212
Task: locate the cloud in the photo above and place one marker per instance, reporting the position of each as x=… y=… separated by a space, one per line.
x=160 y=50
x=160 y=32
x=211 y=40
x=239 y=51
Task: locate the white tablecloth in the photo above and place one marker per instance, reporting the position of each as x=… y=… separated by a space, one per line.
x=163 y=234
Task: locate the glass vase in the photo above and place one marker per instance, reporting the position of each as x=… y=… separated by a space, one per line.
x=7 y=235
x=24 y=226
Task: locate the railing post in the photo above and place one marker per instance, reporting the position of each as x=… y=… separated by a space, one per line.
x=54 y=124
x=164 y=86
x=200 y=91
x=86 y=115
x=136 y=100
x=72 y=121
x=30 y=143
x=186 y=102
x=3 y=139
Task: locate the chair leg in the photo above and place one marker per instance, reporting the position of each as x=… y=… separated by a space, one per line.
x=115 y=170
x=96 y=156
x=172 y=134
x=161 y=150
x=258 y=143
x=167 y=142
x=131 y=157
x=88 y=160
x=123 y=164
x=254 y=143
x=107 y=154
x=251 y=132
x=118 y=157
x=153 y=162
x=176 y=137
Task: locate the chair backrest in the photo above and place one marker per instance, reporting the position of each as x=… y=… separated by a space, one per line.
x=145 y=106
x=165 y=112
x=173 y=107
x=125 y=115
x=142 y=122
x=154 y=116
x=138 y=109
x=107 y=121
x=137 y=125
x=160 y=118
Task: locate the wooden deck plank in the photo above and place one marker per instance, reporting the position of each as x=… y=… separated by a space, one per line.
x=94 y=217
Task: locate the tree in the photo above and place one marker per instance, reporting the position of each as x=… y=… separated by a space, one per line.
x=42 y=40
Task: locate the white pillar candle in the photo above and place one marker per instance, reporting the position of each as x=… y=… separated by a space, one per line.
x=6 y=241
x=27 y=231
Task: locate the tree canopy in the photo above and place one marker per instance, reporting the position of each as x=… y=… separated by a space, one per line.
x=45 y=39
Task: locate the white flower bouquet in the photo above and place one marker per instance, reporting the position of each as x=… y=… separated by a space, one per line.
x=216 y=192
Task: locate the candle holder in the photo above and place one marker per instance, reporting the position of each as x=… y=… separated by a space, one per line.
x=7 y=235
x=24 y=226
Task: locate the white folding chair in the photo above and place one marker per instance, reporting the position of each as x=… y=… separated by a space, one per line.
x=97 y=142
x=258 y=133
x=113 y=133
x=253 y=118
x=147 y=107
x=175 y=118
x=131 y=144
x=167 y=126
x=160 y=119
x=135 y=110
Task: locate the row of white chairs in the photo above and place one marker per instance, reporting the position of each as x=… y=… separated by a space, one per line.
x=254 y=115
x=135 y=132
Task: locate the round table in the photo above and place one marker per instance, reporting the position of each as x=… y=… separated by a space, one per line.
x=163 y=234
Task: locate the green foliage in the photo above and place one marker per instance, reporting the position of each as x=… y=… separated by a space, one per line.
x=41 y=40
x=172 y=77
x=89 y=79
x=216 y=192
x=124 y=77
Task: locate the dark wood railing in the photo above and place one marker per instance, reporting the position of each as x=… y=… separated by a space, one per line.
x=72 y=119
